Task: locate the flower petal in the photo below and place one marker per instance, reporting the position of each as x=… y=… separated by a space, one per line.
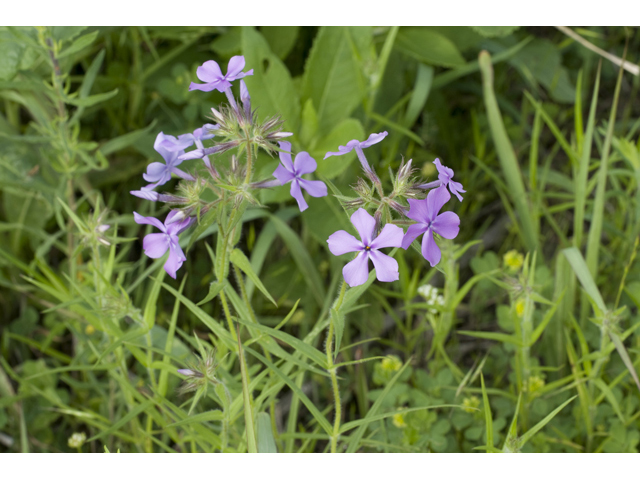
x=193 y=154
x=283 y=175
x=364 y=223
x=386 y=267
x=413 y=232
x=315 y=188
x=418 y=210
x=430 y=249
x=456 y=187
x=155 y=244
x=390 y=236
x=210 y=72
x=155 y=171
x=146 y=194
x=304 y=163
x=285 y=157
x=356 y=272
x=204 y=87
x=436 y=198
x=297 y=194
x=447 y=225
x=140 y=220
x=176 y=258
x=182 y=174
x=373 y=139
x=235 y=66
x=342 y=242
x=177 y=226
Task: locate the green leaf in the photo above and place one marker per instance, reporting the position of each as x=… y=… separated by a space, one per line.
x=281 y=39
x=252 y=447
x=214 y=289
x=527 y=436
x=78 y=44
x=499 y=337
x=270 y=85
x=343 y=132
x=302 y=258
x=617 y=341
x=242 y=262
x=582 y=272
x=119 y=143
x=92 y=100
x=266 y=442
x=487 y=414
x=88 y=81
x=149 y=315
x=301 y=347
x=123 y=421
x=428 y=46
x=354 y=441
x=333 y=81
x=212 y=416
x=511 y=441
x=491 y=32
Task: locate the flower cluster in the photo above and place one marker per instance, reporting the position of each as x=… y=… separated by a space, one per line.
x=237 y=127
x=424 y=212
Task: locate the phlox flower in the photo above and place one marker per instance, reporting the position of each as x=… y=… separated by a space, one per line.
x=289 y=171
x=206 y=132
x=170 y=148
x=445 y=175
x=358 y=145
x=356 y=271
x=156 y=244
x=210 y=73
x=429 y=221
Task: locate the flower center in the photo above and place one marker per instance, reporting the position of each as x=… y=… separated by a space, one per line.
x=367 y=248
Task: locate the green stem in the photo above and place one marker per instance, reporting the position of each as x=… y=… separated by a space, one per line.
x=247 y=178
x=333 y=372
x=227 y=313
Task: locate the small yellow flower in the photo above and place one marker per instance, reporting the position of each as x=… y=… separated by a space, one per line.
x=89 y=330
x=391 y=364
x=520 y=304
x=76 y=440
x=470 y=404
x=533 y=384
x=513 y=260
x=398 y=420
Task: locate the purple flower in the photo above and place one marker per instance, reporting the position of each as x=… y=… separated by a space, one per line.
x=445 y=174
x=372 y=140
x=210 y=73
x=292 y=172
x=198 y=135
x=356 y=272
x=170 y=148
x=156 y=244
x=425 y=212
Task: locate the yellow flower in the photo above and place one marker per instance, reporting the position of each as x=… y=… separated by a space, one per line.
x=533 y=384
x=513 y=260
x=520 y=307
x=391 y=364
x=398 y=420
x=470 y=404
x=89 y=330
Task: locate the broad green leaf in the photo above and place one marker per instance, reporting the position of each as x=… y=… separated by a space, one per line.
x=332 y=77
x=118 y=143
x=488 y=418
x=428 y=46
x=270 y=86
x=617 y=341
x=92 y=100
x=242 y=262
x=281 y=39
